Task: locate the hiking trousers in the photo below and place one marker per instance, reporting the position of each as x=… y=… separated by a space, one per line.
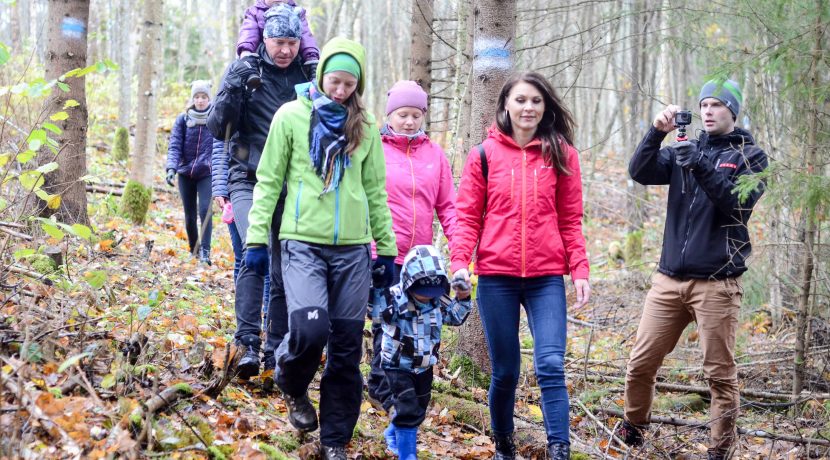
x=670 y=305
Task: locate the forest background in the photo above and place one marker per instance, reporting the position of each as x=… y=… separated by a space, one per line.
x=114 y=341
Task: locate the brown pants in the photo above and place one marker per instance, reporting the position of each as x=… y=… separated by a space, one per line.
x=670 y=306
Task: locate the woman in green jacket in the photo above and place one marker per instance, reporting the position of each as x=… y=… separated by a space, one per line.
x=327 y=149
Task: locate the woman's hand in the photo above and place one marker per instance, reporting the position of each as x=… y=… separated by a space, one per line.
x=220 y=201
x=583 y=292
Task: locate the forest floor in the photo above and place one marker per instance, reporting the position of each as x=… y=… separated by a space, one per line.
x=123 y=354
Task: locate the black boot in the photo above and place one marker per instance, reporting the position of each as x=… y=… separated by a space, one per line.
x=630 y=434
x=249 y=364
x=559 y=451
x=268 y=372
x=505 y=447
x=333 y=453
x=301 y=413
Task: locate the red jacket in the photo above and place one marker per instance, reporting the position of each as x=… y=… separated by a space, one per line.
x=533 y=221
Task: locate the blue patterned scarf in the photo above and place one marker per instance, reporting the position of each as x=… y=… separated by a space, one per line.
x=327 y=139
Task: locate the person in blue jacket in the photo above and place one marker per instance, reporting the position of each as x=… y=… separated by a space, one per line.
x=188 y=156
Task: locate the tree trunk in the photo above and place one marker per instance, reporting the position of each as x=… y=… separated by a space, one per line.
x=125 y=70
x=67 y=45
x=184 y=32
x=24 y=24
x=810 y=217
x=495 y=24
x=420 y=60
x=137 y=194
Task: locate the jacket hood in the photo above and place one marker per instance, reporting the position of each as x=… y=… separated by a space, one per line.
x=343 y=45
x=497 y=135
x=420 y=262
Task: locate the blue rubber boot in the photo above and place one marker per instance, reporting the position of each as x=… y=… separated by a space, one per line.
x=391 y=439
x=407 y=443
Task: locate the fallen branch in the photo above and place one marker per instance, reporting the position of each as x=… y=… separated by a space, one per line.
x=31 y=274
x=169 y=396
x=214 y=389
x=704 y=391
x=704 y=426
x=20 y=235
x=11 y=224
x=579 y=322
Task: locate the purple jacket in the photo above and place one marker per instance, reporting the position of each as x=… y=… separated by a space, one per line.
x=190 y=149
x=250 y=34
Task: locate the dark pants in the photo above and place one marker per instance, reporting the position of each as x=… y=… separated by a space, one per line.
x=410 y=394
x=378 y=387
x=196 y=195
x=250 y=286
x=327 y=287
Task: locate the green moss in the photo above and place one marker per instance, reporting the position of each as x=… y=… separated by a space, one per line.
x=121 y=146
x=446 y=387
x=679 y=403
x=469 y=412
x=469 y=371
x=527 y=342
x=42 y=263
x=136 y=202
x=365 y=369
x=589 y=397
x=215 y=453
x=183 y=387
x=579 y=456
x=271 y=452
x=286 y=442
x=634 y=247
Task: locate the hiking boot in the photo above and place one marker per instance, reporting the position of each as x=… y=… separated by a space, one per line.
x=559 y=451
x=391 y=438
x=505 y=447
x=333 y=453
x=302 y=414
x=249 y=364
x=630 y=434
x=204 y=257
x=269 y=372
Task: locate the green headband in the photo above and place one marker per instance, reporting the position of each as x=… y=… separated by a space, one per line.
x=344 y=62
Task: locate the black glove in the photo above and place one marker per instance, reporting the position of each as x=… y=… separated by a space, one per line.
x=244 y=72
x=171 y=174
x=384 y=276
x=686 y=155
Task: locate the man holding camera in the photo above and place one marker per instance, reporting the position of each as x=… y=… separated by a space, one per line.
x=705 y=245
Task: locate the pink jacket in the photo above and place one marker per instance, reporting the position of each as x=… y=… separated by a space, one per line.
x=418 y=183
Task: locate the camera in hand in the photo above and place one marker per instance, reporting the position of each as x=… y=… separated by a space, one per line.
x=683 y=118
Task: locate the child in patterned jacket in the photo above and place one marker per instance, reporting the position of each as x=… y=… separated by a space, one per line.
x=412 y=313
x=250 y=34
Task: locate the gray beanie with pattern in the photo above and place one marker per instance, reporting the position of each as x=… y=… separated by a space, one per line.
x=726 y=91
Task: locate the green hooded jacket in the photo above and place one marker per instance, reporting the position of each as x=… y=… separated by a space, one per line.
x=354 y=213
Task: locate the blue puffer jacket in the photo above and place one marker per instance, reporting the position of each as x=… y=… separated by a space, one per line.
x=190 y=148
x=412 y=330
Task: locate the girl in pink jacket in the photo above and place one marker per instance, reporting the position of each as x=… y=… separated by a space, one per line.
x=418 y=184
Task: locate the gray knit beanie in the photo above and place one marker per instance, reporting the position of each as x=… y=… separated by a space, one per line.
x=200 y=86
x=281 y=21
x=726 y=91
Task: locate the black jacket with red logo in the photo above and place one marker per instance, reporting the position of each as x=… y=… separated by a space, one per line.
x=706 y=232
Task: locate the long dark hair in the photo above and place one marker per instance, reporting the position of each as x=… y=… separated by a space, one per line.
x=557 y=121
x=355 y=121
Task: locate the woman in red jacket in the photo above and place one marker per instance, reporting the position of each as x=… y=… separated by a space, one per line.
x=521 y=212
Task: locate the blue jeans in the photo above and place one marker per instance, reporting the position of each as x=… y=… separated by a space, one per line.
x=543 y=297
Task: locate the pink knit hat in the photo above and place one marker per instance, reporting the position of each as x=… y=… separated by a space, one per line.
x=406 y=93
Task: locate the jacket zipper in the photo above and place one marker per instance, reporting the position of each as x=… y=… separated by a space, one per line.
x=196 y=157
x=336 y=213
x=689 y=225
x=524 y=208
x=412 y=174
x=535 y=186
x=297 y=207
